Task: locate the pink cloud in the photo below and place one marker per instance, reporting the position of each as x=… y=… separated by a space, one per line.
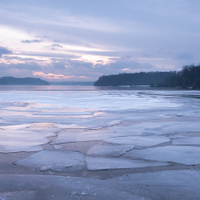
x=55 y=76
x=126 y=69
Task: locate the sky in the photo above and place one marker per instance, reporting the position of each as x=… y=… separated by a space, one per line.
x=65 y=40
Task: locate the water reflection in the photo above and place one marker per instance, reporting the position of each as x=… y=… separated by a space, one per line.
x=69 y=88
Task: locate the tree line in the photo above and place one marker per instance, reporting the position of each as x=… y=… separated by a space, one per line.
x=188 y=77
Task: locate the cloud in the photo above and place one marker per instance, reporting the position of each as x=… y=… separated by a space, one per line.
x=55 y=76
x=124 y=66
x=67 y=69
x=17 y=70
x=31 y=41
x=81 y=40
x=185 y=56
x=56 y=40
x=3 y=50
x=126 y=69
x=56 y=45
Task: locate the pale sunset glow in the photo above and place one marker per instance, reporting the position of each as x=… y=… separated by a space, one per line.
x=83 y=41
x=126 y=69
x=95 y=59
x=55 y=76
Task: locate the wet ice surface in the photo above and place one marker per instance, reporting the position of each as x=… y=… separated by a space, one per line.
x=99 y=134
x=187 y=141
x=99 y=163
x=139 y=140
x=172 y=184
x=187 y=155
x=21 y=141
x=24 y=138
x=110 y=150
x=25 y=195
x=54 y=160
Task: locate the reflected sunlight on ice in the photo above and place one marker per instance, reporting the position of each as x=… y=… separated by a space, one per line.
x=110 y=100
x=100 y=129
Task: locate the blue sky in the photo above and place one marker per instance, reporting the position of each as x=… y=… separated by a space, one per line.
x=78 y=40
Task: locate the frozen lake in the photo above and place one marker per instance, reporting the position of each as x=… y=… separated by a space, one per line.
x=85 y=142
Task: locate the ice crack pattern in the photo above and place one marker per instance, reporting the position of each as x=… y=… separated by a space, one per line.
x=97 y=135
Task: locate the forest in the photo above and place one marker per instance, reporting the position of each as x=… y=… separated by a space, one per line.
x=188 y=77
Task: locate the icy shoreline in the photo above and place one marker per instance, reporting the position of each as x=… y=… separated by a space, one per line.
x=91 y=143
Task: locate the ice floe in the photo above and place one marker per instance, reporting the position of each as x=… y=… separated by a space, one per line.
x=15 y=141
x=57 y=147
x=54 y=160
x=80 y=135
x=99 y=163
x=26 y=137
x=188 y=155
x=166 y=127
x=109 y=150
x=187 y=141
x=138 y=140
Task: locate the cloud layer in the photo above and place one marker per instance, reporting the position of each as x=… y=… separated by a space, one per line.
x=67 y=40
x=3 y=50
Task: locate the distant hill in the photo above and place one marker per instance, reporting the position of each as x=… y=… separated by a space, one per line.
x=9 y=80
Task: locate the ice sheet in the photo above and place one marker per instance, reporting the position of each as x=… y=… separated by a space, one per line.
x=188 y=155
x=22 y=195
x=54 y=160
x=117 y=135
x=167 y=184
x=99 y=163
x=82 y=135
x=138 y=140
x=164 y=127
x=144 y=113
x=15 y=141
x=187 y=141
x=109 y=150
x=117 y=120
x=26 y=137
x=109 y=100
